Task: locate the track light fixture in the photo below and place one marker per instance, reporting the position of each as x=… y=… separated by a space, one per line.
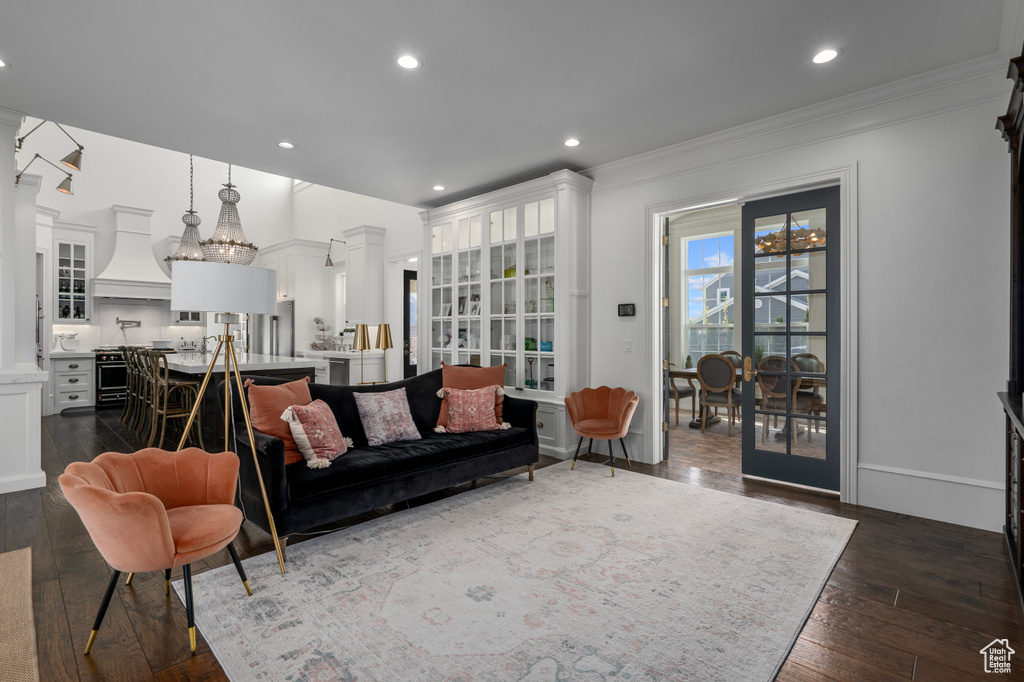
x=73 y=160
x=330 y=263
x=64 y=186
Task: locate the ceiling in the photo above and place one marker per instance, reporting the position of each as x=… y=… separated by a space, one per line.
x=503 y=82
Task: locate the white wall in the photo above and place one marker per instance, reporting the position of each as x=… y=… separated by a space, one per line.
x=932 y=211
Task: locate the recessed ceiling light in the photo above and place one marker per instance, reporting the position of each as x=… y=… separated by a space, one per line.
x=572 y=142
x=439 y=188
x=407 y=61
x=286 y=145
x=825 y=56
x=2 y=63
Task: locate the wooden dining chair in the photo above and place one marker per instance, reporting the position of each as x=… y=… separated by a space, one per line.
x=809 y=363
x=775 y=389
x=678 y=394
x=717 y=377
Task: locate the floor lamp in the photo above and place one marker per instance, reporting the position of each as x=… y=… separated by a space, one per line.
x=228 y=290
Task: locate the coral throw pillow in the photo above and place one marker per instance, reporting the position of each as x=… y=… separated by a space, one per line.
x=471 y=410
x=386 y=417
x=470 y=378
x=316 y=433
x=266 y=403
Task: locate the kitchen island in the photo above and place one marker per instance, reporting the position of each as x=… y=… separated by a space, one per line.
x=194 y=366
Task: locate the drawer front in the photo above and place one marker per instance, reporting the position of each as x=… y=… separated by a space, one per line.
x=74 y=380
x=77 y=365
x=74 y=398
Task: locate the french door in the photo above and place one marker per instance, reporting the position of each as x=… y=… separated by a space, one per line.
x=791 y=338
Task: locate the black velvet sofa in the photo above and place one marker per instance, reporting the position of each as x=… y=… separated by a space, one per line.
x=365 y=477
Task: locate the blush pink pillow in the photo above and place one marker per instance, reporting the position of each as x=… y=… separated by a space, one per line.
x=386 y=417
x=471 y=409
x=316 y=433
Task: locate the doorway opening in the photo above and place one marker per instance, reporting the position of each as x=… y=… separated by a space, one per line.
x=702 y=277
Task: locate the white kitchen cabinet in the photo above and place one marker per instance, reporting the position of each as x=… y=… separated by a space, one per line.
x=74 y=382
x=72 y=271
x=509 y=283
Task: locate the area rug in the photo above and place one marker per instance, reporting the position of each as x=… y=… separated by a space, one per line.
x=576 y=576
x=18 y=662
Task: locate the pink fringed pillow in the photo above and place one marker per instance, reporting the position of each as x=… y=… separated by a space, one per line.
x=471 y=409
x=386 y=417
x=316 y=433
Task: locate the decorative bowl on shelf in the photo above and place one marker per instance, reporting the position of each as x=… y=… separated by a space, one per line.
x=546 y=345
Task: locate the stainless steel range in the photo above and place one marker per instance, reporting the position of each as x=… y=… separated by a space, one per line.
x=111 y=378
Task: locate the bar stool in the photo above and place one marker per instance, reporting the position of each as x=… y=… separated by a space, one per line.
x=130 y=413
x=170 y=398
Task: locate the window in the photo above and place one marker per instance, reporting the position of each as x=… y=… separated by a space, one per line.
x=710 y=306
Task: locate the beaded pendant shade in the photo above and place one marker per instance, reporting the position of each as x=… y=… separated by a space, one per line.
x=188 y=248
x=228 y=243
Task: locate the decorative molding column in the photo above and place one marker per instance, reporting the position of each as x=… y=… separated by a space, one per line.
x=364 y=268
x=25 y=218
x=20 y=382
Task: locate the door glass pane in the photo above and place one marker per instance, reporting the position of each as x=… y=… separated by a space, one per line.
x=807 y=229
x=474 y=231
x=770 y=312
x=531 y=219
x=808 y=270
x=497 y=269
x=814 y=316
x=770 y=234
x=496 y=227
x=510 y=223
x=547 y=216
x=463 y=237
x=435 y=239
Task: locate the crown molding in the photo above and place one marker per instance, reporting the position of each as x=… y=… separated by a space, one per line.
x=611 y=176
x=48 y=212
x=296 y=247
x=131 y=210
x=30 y=180
x=1011 y=29
x=74 y=227
x=556 y=180
x=11 y=117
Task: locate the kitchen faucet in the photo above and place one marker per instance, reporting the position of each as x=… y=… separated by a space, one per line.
x=202 y=344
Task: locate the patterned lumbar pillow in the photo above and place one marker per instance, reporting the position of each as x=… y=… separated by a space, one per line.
x=386 y=417
x=316 y=433
x=471 y=409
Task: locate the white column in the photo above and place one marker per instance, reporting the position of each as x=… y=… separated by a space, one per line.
x=364 y=281
x=25 y=266
x=10 y=122
x=20 y=382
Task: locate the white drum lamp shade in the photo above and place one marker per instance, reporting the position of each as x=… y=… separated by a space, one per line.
x=223 y=288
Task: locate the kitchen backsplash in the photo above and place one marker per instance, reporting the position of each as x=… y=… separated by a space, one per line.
x=154 y=322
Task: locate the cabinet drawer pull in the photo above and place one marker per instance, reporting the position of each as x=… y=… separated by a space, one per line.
x=73 y=380
x=73 y=365
x=540 y=425
x=73 y=396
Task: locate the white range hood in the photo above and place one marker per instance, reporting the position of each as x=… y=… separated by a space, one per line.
x=132 y=271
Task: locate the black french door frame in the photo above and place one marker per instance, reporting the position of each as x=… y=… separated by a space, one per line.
x=769 y=463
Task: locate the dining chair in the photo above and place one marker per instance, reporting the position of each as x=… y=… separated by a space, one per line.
x=716 y=375
x=779 y=394
x=155 y=510
x=172 y=398
x=603 y=413
x=678 y=394
x=811 y=364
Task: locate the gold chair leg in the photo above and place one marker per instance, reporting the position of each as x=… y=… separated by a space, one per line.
x=128 y=581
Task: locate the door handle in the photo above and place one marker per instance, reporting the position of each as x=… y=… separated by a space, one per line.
x=748 y=373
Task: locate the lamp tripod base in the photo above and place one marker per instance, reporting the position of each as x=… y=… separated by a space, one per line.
x=226 y=343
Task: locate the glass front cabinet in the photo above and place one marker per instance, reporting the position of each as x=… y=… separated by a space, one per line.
x=72 y=272
x=509 y=283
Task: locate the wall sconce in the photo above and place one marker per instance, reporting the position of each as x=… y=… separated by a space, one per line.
x=329 y=263
x=64 y=186
x=72 y=160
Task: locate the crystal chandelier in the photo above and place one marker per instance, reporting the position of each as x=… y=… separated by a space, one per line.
x=188 y=248
x=228 y=243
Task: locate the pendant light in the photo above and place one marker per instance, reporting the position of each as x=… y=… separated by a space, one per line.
x=188 y=247
x=228 y=243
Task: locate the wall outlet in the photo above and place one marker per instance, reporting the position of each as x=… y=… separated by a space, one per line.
x=629 y=346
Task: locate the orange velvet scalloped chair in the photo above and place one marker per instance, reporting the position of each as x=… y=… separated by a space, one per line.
x=603 y=413
x=156 y=510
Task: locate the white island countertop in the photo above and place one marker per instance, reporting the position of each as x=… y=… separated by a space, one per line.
x=198 y=363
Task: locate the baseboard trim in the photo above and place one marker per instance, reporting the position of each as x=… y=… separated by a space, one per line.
x=952 y=499
x=12 y=484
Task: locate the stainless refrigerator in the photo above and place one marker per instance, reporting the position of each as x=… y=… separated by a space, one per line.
x=274 y=334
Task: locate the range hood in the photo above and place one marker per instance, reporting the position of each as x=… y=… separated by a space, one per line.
x=132 y=271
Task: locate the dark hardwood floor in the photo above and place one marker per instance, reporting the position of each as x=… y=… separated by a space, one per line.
x=909 y=599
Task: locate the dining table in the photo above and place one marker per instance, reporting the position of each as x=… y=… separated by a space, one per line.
x=690 y=374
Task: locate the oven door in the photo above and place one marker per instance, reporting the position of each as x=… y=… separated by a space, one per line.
x=112 y=377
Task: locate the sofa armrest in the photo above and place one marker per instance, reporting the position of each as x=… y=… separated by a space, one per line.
x=520 y=412
x=270 y=455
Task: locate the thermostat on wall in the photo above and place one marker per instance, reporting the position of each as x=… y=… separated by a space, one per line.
x=627 y=309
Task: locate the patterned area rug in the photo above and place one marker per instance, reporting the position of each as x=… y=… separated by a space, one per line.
x=18 y=662
x=577 y=576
